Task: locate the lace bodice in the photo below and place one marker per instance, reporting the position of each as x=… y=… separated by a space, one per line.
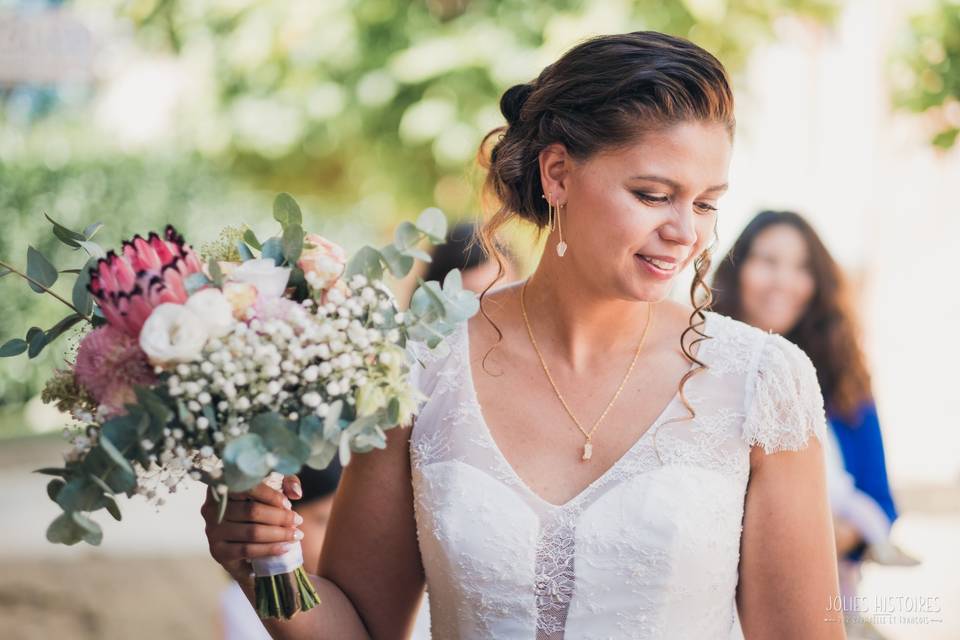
x=650 y=549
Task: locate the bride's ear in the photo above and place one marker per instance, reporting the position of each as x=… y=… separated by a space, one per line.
x=555 y=165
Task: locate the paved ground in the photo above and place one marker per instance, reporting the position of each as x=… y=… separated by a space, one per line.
x=152 y=578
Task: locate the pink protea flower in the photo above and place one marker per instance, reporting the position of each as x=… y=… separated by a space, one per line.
x=148 y=273
x=109 y=364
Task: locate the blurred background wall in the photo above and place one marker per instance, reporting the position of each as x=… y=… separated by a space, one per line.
x=143 y=112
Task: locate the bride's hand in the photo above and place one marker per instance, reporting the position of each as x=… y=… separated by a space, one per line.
x=257 y=523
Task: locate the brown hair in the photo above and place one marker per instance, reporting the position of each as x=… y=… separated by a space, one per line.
x=602 y=94
x=827 y=331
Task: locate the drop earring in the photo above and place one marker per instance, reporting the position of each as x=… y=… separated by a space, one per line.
x=553 y=222
x=561 y=245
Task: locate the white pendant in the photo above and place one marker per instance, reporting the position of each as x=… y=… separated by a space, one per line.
x=587 y=451
x=561 y=248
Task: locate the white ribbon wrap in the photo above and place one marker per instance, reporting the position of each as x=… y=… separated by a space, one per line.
x=286 y=562
x=278 y=565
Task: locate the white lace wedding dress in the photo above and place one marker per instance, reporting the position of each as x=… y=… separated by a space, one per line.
x=648 y=550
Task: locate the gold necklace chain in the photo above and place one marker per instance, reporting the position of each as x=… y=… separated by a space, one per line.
x=588 y=445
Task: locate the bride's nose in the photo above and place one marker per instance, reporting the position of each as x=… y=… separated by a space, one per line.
x=680 y=227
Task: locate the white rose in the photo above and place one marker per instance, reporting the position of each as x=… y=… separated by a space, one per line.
x=213 y=308
x=269 y=279
x=173 y=333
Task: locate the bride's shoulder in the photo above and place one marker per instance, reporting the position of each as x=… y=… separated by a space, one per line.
x=782 y=400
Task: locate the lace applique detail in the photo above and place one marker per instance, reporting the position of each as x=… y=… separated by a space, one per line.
x=555 y=576
x=784 y=402
x=431 y=447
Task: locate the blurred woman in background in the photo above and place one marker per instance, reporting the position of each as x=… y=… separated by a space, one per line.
x=463 y=251
x=780 y=277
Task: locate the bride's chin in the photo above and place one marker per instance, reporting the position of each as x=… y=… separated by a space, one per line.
x=652 y=293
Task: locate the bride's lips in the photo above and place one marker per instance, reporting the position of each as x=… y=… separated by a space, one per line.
x=662 y=267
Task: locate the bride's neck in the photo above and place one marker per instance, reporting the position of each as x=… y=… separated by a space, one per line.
x=578 y=321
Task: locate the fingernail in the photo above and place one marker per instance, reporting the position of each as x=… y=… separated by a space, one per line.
x=297 y=518
x=287 y=547
x=287 y=504
x=298 y=535
x=297 y=490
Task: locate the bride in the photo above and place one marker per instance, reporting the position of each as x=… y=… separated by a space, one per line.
x=594 y=460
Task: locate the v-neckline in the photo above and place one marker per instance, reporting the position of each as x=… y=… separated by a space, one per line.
x=474 y=398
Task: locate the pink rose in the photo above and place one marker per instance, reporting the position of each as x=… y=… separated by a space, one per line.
x=322 y=261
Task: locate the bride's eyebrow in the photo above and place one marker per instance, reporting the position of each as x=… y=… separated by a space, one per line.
x=720 y=188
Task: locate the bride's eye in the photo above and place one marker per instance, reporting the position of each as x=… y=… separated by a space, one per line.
x=650 y=198
x=703 y=207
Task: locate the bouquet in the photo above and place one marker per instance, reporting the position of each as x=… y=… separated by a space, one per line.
x=239 y=367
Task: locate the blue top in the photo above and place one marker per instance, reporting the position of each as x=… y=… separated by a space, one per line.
x=861 y=446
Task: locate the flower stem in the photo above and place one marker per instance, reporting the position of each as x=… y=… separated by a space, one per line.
x=46 y=289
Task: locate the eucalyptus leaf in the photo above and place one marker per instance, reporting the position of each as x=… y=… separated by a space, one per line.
x=54 y=487
x=40 y=270
x=273 y=249
x=433 y=223
x=65 y=235
x=406 y=236
x=53 y=471
x=107 y=489
x=93 y=534
x=419 y=254
x=251 y=239
x=253 y=463
x=286 y=211
x=244 y=251
x=344 y=450
x=368 y=262
x=126 y=431
x=398 y=263
x=80 y=494
x=310 y=429
x=322 y=456
x=216 y=273
x=58 y=329
x=64 y=530
x=244 y=462
x=82 y=299
x=102 y=462
x=279 y=439
x=195 y=281
x=115 y=455
x=393 y=410
x=292 y=243
x=211 y=417
x=331 y=422
x=114 y=509
x=13 y=347
x=93 y=249
x=37 y=343
x=91 y=230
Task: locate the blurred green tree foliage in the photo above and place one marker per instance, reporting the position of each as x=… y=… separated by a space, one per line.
x=927 y=73
x=355 y=97
x=365 y=109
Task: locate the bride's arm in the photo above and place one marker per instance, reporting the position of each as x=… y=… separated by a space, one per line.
x=371 y=578
x=788 y=564
x=370 y=550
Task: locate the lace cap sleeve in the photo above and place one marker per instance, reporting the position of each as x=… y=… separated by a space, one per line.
x=784 y=405
x=427 y=366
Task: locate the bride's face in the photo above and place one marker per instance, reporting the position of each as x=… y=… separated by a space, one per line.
x=635 y=217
